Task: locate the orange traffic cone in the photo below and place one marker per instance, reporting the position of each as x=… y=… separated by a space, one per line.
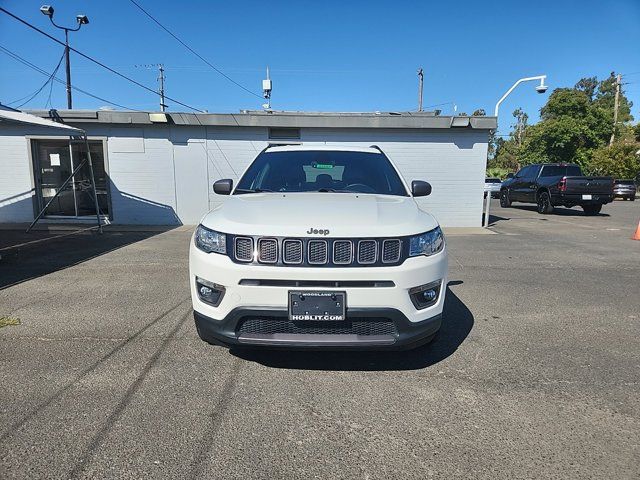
x=636 y=236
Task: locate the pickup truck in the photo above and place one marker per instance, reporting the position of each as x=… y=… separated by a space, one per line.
x=319 y=247
x=550 y=185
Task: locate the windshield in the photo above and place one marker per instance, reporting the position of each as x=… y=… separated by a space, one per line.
x=492 y=180
x=321 y=171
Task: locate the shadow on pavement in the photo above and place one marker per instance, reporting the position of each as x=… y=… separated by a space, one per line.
x=561 y=211
x=22 y=260
x=457 y=323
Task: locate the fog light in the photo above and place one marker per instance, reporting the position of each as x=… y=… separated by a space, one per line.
x=425 y=295
x=209 y=292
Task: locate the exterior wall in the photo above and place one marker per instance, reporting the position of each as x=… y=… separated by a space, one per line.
x=16 y=183
x=163 y=174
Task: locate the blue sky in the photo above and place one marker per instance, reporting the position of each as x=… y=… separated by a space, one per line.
x=328 y=55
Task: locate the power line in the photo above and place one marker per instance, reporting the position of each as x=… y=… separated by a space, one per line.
x=49 y=81
x=18 y=58
x=33 y=27
x=193 y=51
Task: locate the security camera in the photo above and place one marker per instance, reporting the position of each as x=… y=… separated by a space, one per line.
x=47 y=10
x=541 y=88
x=82 y=19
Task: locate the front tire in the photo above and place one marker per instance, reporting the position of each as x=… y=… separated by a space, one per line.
x=505 y=201
x=544 y=203
x=591 y=210
x=633 y=199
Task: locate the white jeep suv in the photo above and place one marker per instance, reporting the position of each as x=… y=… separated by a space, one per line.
x=319 y=247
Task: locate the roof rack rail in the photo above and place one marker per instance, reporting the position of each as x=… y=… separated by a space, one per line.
x=376 y=147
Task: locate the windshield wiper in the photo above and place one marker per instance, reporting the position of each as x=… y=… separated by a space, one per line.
x=333 y=190
x=252 y=190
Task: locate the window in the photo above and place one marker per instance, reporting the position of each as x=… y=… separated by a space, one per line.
x=560 y=171
x=54 y=161
x=321 y=171
x=282 y=133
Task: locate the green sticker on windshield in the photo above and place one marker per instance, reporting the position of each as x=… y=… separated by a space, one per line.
x=322 y=166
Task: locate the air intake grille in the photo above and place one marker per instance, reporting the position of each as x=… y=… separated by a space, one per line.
x=367 y=251
x=317 y=252
x=244 y=249
x=342 y=252
x=292 y=251
x=268 y=250
x=391 y=251
x=274 y=325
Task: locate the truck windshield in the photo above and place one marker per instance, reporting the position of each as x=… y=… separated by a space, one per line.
x=321 y=171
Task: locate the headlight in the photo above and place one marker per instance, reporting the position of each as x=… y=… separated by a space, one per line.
x=210 y=241
x=427 y=244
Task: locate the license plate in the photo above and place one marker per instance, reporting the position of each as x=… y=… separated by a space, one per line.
x=587 y=197
x=317 y=306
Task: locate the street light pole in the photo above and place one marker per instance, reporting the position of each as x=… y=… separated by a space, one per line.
x=68 y=68
x=540 y=89
x=82 y=20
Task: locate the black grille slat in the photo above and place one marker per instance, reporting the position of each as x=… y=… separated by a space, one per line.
x=342 y=252
x=244 y=249
x=391 y=250
x=318 y=252
x=367 y=251
x=292 y=251
x=273 y=325
x=268 y=250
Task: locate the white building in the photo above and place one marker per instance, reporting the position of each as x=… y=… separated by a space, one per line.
x=158 y=169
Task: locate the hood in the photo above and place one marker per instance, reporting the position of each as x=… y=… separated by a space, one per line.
x=342 y=214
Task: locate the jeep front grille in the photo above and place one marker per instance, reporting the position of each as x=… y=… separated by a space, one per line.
x=267 y=250
x=339 y=252
x=318 y=254
x=367 y=251
x=292 y=251
x=391 y=250
x=342 y=252
x=244 y=249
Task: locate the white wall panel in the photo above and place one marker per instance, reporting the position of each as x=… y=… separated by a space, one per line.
x=16 y=202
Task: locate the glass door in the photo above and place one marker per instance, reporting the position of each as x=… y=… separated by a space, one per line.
x=54 y=164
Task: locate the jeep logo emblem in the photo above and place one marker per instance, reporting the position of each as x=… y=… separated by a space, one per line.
x=315 y=231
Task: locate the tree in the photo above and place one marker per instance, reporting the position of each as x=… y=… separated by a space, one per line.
x=620 y=160
x=520 y=126
x=587 y=85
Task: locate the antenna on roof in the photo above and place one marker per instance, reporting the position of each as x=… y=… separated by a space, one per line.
x=266 y=91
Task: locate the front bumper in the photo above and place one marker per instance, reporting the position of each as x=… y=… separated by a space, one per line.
x=228 y=332
x=256 y=291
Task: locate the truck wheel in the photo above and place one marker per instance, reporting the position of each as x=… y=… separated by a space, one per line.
x=592 y=209
x=505 y=201
x=544 y=203
x=633 y=199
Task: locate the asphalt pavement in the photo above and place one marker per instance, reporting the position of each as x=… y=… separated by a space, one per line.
x=535 y=373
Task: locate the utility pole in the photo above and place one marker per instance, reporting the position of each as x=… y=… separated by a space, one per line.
x=615 y=108
x=161 y=90
x=420 y=87
x=81 y=20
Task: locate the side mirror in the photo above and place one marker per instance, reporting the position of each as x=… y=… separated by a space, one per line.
x=420 y=188
x=510 y=175
x=223 y=187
